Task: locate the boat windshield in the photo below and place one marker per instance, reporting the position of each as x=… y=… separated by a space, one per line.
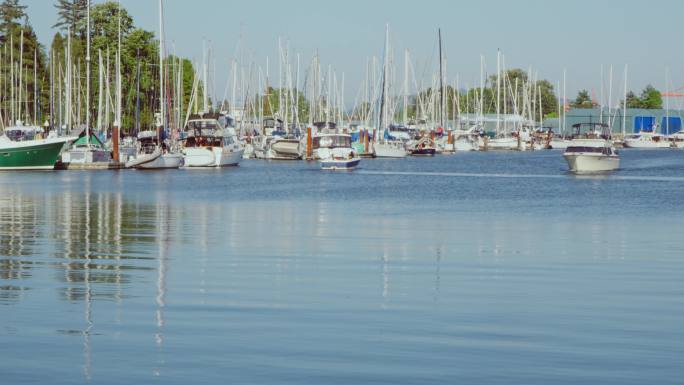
x=333 y=141
x=20 y=135
x=597 y=150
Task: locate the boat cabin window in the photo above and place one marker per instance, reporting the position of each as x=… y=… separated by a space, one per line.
x=332 y=141
x=204 y=125
x=597 y=150
x=19 y=135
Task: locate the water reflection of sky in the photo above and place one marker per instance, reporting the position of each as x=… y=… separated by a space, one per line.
x=389 y=281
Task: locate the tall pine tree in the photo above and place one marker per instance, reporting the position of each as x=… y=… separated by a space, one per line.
x=11 y=12
x=72 y=15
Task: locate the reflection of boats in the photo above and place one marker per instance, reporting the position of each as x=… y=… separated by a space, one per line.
x=335 y=152
x=592 y=150
x=22 y=148
x=209 y=144
x=647 y=140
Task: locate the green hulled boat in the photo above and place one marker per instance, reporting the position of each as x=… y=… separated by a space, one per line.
x=21 y=148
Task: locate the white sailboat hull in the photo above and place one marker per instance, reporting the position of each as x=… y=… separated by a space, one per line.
x=165 y=161
x=142 y=159
x=503 y=144
x=630 y=143
x=465 y=145
x=227 y=157
x=285 y=149
x=390 y=150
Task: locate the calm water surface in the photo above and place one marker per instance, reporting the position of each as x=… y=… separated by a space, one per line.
x=475 y=268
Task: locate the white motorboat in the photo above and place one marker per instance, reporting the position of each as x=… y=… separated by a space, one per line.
x=209 y=144
x=335 y=152
x=592 y=149
x=647 y=140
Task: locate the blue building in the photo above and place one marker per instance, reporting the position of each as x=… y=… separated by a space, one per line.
x=663 y=121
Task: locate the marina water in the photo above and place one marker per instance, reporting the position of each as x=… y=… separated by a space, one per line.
x=483 y=268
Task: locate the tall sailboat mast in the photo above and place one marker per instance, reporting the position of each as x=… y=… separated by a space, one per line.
x=88 y=75
x=441 y=82
x=161 y=66
x=384 y=85
x=118 y=73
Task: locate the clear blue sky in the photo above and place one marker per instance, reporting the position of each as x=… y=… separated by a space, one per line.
x=579 y=35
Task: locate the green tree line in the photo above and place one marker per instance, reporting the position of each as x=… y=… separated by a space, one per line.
x=139 y=67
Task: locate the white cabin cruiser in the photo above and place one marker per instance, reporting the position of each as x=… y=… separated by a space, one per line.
x=335 y=152
x=591 y=149
x=209 y=144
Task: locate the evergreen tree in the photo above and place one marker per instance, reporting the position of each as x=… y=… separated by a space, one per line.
x=583 y=100
x=10 y=13
x=72 y=15
x=632 y=100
